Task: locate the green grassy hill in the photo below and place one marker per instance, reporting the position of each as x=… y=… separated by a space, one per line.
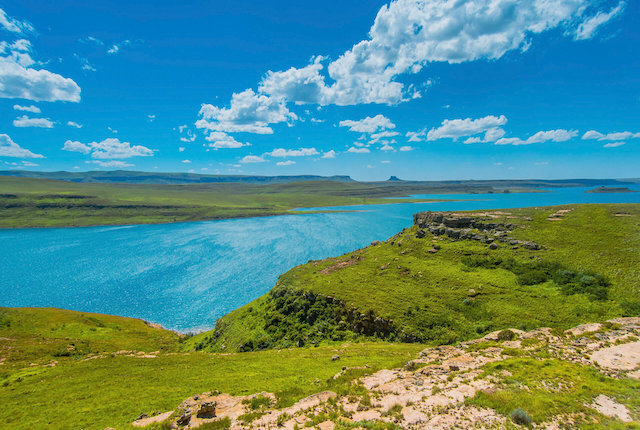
x=70 y=370
x=435 y=289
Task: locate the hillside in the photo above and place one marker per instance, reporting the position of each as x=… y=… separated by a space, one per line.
x=81 y=370
x=452 y=277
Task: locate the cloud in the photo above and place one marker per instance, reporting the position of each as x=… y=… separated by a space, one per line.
x=368 y=124
x=186 y=161
x=406 y=148
x=249 y=112
x=285 y=163
x=13 y=25
x=32 y=108
x=108 y=149
x=614 y=144
x=588 y=28
x=455 y=128
x=115 y=48
x=329 y=154
x=376 y=137
x=221 y=140
x=25 y=121
x=74 y=124
x=151 y=117
x=559 y=135
x=620 y=135
x=8 y=148
x=252 y=159
x=409 y=34
x=385 y=162
x=75 y=146
x=91 y=39
x=181 y=149
x=111 y=163
x=19 y=80
x=29 y=164
x=387 y=147
x=85 y=63
x=358 y=150
x=302 y=152
x=490 y=135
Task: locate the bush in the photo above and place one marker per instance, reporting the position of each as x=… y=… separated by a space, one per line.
x=520 y=416
x=506 y=335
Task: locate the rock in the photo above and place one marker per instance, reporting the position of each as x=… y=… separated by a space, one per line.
x=335 y=358
x=493 y=246
x=432 y=251
x=184 y=419
x=375 y=243
x=472 y=292
x=608 y=407
x=207 y=410
x=142 y=416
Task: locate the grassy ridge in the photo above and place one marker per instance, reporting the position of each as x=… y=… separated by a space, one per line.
x=27 y=202
x=95 y=384
x=440 y=297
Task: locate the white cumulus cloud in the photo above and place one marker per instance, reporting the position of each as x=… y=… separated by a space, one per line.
x=456 y=128
x=19 y=79
x=285 y=163
x=248 y=112
x=355 y=150
x=559 y=135
x=222 y=140
x=619 y=135
x=302 y=152
x=32 y=108
x=252 y=159
x=74 y=124
x=368 y=124
x=108 y=149
x=25 y=121
x=329 y=154
x=8 y=148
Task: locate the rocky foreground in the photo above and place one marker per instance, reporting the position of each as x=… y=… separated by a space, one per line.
x=435 y=390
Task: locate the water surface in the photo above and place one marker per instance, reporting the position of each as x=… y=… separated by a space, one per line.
x=186 y=275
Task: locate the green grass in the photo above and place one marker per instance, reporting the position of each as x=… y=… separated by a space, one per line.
x=40 y=335
x=28 y=202
x=427 y=295
x=114 y=389
x=546 y=388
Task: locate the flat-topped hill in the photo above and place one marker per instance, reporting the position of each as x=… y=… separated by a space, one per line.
x=452 y=277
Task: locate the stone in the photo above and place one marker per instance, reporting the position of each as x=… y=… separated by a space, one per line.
x=493 y=246
x=375 y=243
x=207 y=410
x=335 y=357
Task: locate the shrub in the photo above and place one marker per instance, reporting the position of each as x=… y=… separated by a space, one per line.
x=506 y=335
x=520 y=416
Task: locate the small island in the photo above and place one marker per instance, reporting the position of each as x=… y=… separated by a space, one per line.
x=611 y=190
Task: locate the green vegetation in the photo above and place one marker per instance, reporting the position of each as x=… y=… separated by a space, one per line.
x=27 y=202
x=406 y=290
x=114 y=387
x=543 y=389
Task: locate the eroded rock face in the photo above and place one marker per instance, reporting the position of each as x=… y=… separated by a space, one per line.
x=456 y=226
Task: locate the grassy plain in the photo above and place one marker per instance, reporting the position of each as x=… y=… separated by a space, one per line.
x=100 y=378
x=28 y=202
x=439 y=297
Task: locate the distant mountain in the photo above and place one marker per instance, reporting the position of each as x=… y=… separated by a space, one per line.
x=394 y=179
x=131 y=177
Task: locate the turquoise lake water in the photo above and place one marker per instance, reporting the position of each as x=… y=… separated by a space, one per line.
x=186 y=275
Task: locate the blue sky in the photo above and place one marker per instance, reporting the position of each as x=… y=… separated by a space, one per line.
x=418 y=89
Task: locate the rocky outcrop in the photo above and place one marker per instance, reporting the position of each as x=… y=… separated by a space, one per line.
x=462 y=226
x=430 y=391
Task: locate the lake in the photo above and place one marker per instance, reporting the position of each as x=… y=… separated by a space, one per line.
x=186 y=275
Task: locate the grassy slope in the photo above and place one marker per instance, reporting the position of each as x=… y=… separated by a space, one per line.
x=113 y=389
x=26 y=202
x=428 y=294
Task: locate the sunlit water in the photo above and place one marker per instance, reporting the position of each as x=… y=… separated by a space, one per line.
x=186 y=275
